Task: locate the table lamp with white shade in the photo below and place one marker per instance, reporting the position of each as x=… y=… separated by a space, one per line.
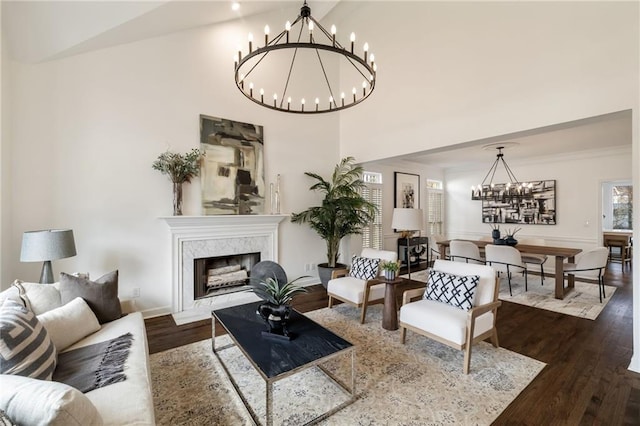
x=408 y=220
x=45 y=246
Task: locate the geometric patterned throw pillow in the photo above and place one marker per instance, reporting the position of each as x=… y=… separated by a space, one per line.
x=364 y=268
x=25 y=346
x=454 y=290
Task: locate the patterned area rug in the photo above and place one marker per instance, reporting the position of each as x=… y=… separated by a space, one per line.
x=582 y=302
x=420 y=383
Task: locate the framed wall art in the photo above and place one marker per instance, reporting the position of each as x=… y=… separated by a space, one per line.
x=232 y=173
x=541 y=210
x=407 y=190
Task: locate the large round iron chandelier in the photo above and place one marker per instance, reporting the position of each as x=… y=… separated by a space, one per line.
x=280 y=75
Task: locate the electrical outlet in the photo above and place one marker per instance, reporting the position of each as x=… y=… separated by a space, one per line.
x=135 y=292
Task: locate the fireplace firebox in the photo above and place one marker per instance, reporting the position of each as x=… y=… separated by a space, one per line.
x=222 y=274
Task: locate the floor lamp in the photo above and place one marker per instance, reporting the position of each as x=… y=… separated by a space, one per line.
x=407 y=220
x=45 y=246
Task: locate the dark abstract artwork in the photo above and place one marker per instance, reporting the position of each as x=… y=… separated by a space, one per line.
x=541 y=210
x=232 y=172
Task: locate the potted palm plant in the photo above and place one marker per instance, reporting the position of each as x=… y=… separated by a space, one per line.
x=343 y=211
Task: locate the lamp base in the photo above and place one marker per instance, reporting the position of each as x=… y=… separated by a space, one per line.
x=46 y=276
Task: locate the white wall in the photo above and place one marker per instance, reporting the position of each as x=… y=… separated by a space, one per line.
x=87 y=128
x=453 y=72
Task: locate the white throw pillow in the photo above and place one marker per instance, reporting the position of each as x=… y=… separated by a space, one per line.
x=69 y=323
x=40 y=297
x=38 y=402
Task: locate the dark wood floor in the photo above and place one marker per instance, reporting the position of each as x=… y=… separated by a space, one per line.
x=586 y=380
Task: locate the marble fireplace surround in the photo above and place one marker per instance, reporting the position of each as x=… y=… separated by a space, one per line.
x=196 y=237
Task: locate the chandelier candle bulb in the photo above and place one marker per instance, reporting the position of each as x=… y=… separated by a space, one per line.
x=266 y=35
x=251 y=89
x=364 y=88
x=353 y=40
x=333 y=35
x=262 y=95
x=365 y=48
x=250 y=37
x=287 y=28
x=288 y=103
x=354 y=94
x=275 y=99
x=302 y=103
x=311 y=32
x=342 y=98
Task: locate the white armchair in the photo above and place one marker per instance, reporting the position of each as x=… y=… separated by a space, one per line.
x=356 y=291
x=451 y=325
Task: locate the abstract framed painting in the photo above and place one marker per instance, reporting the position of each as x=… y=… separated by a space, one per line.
x=541 y=210
x=407 y=190
x=232 y=173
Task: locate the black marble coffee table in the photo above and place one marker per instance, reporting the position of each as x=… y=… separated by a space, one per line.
x=273 y=359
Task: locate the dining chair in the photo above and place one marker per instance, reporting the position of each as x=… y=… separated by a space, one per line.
x=534 y=259
x=465 y=251
x=590 y=265
x=621 y=242
x=506 y=259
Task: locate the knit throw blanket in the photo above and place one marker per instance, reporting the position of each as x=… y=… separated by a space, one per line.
x=94 y=366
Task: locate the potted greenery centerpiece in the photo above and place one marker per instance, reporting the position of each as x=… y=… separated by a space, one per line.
x=344 y=211
x=277 y=296
x=180 y=168
x=390 y=269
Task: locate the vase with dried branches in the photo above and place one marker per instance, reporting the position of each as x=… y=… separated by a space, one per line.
x=180 y=168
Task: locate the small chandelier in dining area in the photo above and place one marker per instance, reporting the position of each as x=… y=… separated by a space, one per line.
x=503 y=192
x=292 y=72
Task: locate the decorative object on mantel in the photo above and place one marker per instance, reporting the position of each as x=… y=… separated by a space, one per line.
x=276 y=197
x=233 y=171
x=512 y=190
x=276 y=308
x=180 y=168
x=343 y=211
x=257 y=68
x=390 y=269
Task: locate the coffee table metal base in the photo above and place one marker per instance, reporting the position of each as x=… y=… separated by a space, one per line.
x=349 y=390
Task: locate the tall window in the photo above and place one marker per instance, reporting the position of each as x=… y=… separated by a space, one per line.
x=622 y=200
x=435 y=207
x=372 y=234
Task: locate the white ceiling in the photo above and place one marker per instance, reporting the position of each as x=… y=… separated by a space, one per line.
x=37 y=31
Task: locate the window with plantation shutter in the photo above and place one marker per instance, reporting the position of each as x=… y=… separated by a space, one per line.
x=435 y=211
x=372 y=234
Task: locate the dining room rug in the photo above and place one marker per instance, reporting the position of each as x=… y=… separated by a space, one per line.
x=414 y=384
x=582 y=302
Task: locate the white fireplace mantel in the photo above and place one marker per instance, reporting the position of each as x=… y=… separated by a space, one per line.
x=194 y=236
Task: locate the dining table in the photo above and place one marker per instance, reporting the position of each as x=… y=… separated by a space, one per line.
x=559 y=253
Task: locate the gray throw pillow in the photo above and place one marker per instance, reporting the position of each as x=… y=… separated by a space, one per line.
x=25 y=346
x=101 y=295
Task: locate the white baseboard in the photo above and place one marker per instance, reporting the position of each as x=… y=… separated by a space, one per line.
x=635 y=363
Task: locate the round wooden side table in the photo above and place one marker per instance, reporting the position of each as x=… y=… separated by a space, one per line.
x=390 y=310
